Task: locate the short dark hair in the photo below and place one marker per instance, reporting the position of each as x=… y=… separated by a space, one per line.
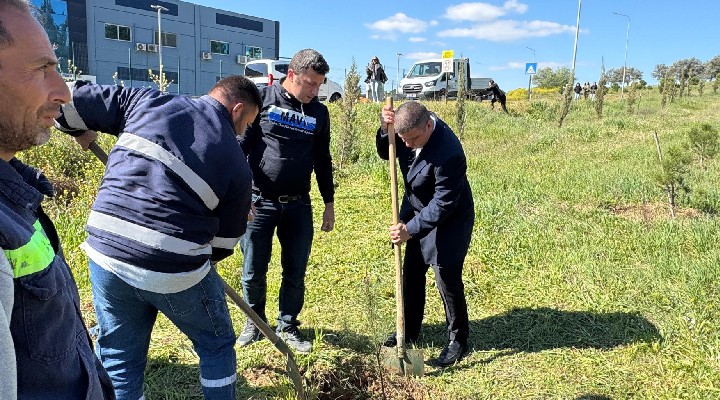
x=307 y=59
x=410 y=115
x=238 y=89
x=21 y=5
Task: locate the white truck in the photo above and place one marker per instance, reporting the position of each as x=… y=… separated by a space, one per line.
x=426 y=81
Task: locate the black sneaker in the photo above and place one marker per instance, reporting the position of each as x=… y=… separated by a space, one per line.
x=451 y=354
x=249 y=334
x=295 y=340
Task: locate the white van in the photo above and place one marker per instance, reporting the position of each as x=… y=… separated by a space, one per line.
x=265 y=72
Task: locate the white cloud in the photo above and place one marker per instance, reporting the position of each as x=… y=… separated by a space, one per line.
x=434 y=23
x=509 y=30
x=399 y=23
x=416 y=39
x=483 y=11
x=421 y=55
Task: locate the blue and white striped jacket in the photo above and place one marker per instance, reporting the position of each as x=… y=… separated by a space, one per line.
x=176 y=190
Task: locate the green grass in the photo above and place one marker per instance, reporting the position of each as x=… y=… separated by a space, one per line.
x=579 y=285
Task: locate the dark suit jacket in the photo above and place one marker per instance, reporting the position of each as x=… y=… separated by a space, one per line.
x=437 y=207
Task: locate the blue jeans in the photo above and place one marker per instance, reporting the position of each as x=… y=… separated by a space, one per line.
x=126 y=316
x=294 y=225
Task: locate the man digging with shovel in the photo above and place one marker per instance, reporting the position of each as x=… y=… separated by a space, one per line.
x=436 y=219
x=174 y=200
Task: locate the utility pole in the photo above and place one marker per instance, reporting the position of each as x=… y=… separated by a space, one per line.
x=159 y=9
x=531 y=75
x=577 y=32
x=397 y=74
x=627 y=37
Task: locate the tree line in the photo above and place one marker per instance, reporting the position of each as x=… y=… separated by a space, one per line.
x=689 y=71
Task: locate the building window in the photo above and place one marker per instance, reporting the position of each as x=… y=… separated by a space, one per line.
x=169 y=39
x=253 y=52
x=141 y=74
x=117 y=32
x=238 y=22
x=218 y=47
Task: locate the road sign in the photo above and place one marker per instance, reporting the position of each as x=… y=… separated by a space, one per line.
x=448 y=54
x=530 y=68
x=447 y=65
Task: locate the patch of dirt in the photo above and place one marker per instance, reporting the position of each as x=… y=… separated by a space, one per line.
x=355 y=378
x=652 y=212
x=349 y=378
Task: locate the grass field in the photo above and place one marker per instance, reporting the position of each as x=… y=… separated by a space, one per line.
x=579 y=284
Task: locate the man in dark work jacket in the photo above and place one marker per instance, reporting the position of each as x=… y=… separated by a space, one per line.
x=436 y=219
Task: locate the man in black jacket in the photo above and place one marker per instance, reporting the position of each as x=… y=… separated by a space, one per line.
x=437 y=217
x=288 y=141
x=498 y=95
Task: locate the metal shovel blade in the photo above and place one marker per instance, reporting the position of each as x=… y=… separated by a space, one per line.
x=408 y=362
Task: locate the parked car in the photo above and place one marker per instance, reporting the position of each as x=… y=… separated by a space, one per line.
x=265 y=72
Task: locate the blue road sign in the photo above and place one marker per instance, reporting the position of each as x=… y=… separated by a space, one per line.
x=530 y=68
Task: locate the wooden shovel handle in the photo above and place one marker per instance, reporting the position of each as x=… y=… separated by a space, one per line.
x=400 y=311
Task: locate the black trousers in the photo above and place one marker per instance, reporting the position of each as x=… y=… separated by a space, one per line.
x=502 y=100
x=451 y=288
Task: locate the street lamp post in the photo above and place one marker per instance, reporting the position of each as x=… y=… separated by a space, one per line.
x=627 y=37
x=159 y=9
x=531 y=75
x=397 y=75
x=577 y=33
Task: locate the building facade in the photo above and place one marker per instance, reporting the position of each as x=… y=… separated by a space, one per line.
x=117 y=40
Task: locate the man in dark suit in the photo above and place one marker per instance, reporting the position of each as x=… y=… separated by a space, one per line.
x=436 y=219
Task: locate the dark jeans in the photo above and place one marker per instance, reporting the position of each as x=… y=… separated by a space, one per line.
x=294 y=224
x=451 y=288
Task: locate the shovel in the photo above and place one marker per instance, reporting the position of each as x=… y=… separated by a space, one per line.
x=399 y=359
x=279 y=344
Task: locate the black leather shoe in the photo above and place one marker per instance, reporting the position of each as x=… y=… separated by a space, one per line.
x=451 y=354
x=391 y=341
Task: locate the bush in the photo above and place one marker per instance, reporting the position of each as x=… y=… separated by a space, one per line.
x=703 y=141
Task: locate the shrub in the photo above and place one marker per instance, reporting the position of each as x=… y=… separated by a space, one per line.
x=674 y=167
x=703 y=141
x=600 y=93
x=517 y=94
x=346 y=145
x=460 y=103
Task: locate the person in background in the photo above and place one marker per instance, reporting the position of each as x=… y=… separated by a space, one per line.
x=498 y=95
x=45 y=348
x=287 y=143
x=436 y=219
x=173 y=202
x=577 y=89
x=376 y=78
x=593 y=90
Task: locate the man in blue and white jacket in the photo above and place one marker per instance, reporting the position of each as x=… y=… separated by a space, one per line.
x=174 y=199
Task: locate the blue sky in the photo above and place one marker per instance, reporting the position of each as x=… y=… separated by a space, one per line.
x=494 y=34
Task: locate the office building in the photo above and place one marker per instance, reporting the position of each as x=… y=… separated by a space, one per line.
x=119 y=38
